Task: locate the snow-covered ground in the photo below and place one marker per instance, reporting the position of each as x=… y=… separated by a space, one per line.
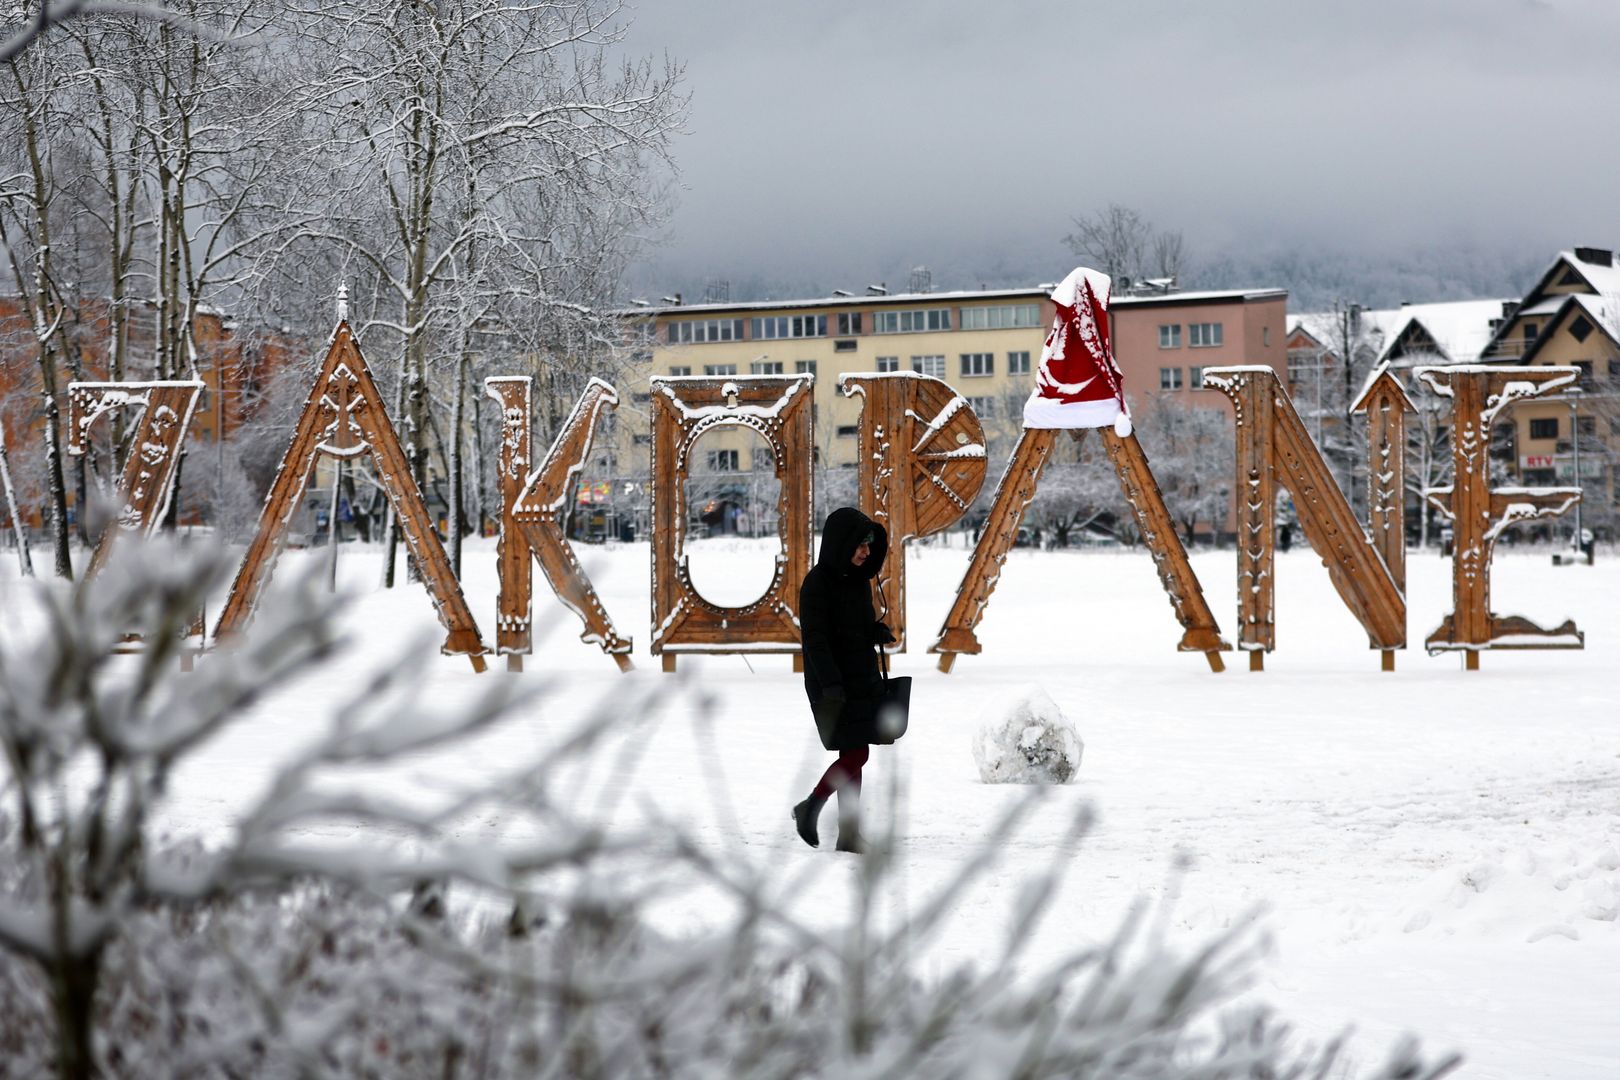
x=1436 y=850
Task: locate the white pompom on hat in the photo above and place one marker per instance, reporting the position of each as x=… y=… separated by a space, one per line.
x=1079 y=385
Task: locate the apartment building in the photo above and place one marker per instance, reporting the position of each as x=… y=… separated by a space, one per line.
x=986 y=344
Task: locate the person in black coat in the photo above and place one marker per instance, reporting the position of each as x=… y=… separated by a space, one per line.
x=840 y=633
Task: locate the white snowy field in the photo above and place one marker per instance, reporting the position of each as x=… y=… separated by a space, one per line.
x=1436 y=851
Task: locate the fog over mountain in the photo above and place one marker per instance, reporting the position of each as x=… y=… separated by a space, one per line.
x=1382 y=151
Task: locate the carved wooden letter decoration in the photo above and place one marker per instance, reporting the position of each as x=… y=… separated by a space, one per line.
x=1273 y=445
x=1385 y=402
x=344 y=417
x=154 y=456
x=684 y=408
x=1013 y=495
x=922 y=463
x=534 y=509
x=1478 y=393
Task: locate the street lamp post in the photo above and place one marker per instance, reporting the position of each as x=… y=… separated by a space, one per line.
x=1571 y=397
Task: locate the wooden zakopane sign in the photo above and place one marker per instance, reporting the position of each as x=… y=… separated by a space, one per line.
x=921 y=464
x=153 y=463
x=1479 y=513
x=534 y=510
x=685 y=408
x=1273 y=447
x=1016 y=491
x=344 y=418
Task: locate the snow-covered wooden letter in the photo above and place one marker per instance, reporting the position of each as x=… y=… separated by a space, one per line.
x=922 y=463
x=534 y=508
x=1273 y=446
x=1016 y=490
x=1478 y=513
x=344 y=417
x=147 y=485
x=778 y=408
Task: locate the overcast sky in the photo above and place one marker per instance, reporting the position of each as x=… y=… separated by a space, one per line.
x=835 y=139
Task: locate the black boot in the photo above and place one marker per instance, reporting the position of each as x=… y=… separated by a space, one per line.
x=804 y=819
x=849 y=821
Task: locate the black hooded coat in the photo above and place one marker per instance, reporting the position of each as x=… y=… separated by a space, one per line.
x=838 y=624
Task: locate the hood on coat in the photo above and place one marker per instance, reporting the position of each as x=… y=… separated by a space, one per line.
x=842 y=534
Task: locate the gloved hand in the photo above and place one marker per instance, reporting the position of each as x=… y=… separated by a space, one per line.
x=882 y=635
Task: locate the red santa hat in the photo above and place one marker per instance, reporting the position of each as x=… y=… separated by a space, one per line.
x=1079 y=385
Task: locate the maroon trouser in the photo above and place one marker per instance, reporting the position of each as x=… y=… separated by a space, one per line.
x=845 y=772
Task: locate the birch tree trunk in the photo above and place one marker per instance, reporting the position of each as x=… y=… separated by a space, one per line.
x=23 y=557
x=33 y=104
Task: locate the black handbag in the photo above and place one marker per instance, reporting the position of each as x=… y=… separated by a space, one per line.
x=891 y=714
x=881 y=719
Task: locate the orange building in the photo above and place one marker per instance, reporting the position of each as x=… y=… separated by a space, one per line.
x=235 y=368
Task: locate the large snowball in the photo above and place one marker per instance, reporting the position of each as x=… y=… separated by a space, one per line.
x=1027 y=740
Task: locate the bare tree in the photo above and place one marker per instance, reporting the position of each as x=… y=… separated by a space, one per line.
x=33 y=121
x=1115 y=240
x=51 y=13
x=491 y=170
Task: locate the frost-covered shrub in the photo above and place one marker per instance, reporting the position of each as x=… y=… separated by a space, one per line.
x=1027 y=740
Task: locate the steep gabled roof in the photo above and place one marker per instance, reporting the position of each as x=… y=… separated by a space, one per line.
x=1455 y=331
x=1601 y=279
x=1603 y=312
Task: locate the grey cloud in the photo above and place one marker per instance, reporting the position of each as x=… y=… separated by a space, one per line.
x=831 y=139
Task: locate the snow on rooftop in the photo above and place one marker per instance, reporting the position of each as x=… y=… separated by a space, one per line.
x=1460 y=328
x=1033 y=292
x=1604 y=277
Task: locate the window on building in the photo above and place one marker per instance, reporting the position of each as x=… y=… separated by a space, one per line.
x=1580 y=328
x=723 y=461
x=1018 y=363
x=847 y=431
x=764 y=460
x=680 y=369
x=975 y=364
x=983 y=407
x=1585 y=379
x=1544 y=429
x=1195 y=377
x=888 y=363
x=929 y=365
x=789 y=326
x=849 y=322
x=1001 y=317
x=843 y=346
x=1170 y=336
x=1530 y=331
x=1265 y=336
x=1203 y=335
x=641 y=440
x=698 y=331
x=765 y=367
x=1586 y=425
x=1169 y=378
x=1614 y=369
x=640 y=398
x=719 y=369
x=911 y=322
x=804 y=367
